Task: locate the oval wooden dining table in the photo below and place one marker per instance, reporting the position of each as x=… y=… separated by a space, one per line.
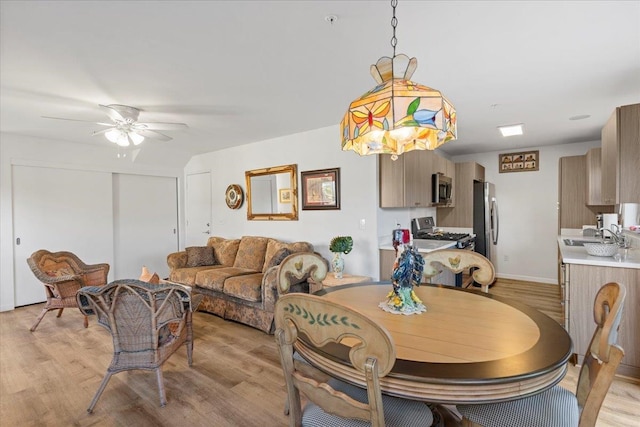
x=468 y=347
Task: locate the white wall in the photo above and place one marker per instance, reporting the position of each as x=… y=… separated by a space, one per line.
x=528 y=207
x=318 y=149
x=19 y=150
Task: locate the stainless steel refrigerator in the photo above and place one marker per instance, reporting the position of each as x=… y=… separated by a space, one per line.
x=486 y=225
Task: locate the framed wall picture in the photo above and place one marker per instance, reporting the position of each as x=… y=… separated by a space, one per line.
x=525 y=161
x=284 y=195
x=320 y=189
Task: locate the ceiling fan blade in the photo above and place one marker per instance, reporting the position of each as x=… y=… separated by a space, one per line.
x=159 y=126
x=76 y=120
x=112 y=113
x=152 y=134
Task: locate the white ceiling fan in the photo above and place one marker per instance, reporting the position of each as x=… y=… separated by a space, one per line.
x=125 y=128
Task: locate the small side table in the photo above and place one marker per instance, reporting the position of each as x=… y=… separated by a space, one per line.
x=330 y=281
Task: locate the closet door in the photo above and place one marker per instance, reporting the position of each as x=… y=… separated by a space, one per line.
x=59 y=210
x=145 y=212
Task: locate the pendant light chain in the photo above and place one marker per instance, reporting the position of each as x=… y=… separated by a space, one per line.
x=394 y=23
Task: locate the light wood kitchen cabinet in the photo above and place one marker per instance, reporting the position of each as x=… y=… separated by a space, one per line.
x=621 y=156
x=387 y=258
x=581 y=284
x=594 y=177
x=406 y=182
x=462 y=214
x=572 y=204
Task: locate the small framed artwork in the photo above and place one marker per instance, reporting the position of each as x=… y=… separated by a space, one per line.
x=519 y=162
x=320 y=189
x=284 y=195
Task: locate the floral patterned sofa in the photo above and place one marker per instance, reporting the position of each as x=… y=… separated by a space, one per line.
x=240 y=278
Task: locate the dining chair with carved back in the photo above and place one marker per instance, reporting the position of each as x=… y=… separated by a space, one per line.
x=480 y=268
x=333 y=403
x=558 y=406
x=63 y=274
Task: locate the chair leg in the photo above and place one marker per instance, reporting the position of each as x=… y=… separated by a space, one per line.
x=103 y=384
x=42 y=313
x=163 y=397
x=60 y=312
x=189 y=326
x=86 y=321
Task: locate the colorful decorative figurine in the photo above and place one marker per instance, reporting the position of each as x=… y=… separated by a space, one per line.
x=407 y=272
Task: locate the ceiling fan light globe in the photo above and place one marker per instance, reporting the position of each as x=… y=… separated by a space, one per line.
x=136 y=138
x=113 y=135
x=123 y=142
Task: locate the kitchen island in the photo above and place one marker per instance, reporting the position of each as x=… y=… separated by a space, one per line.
x=581 y=278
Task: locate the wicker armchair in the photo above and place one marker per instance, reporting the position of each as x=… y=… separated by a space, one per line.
x=62 y=274
x=147 y=322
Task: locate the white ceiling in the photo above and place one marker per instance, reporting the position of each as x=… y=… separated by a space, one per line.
x=243 y=71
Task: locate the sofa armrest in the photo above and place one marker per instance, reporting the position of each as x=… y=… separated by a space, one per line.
x=298 y=267
x=177 y=260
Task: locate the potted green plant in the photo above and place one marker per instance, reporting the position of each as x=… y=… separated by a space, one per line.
x=339 y=245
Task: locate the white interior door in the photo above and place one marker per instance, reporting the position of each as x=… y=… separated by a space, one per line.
x=145 y=211
x=198 y=209
x=59 y=210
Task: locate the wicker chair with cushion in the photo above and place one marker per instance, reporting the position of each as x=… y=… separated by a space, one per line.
x=62 y=274
x=147 y=322
x=558 y=407
x=334 y=403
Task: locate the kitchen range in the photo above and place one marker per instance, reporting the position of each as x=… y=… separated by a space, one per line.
x=423 y=228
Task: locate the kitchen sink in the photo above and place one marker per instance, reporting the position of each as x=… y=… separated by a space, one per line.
x=579 y=242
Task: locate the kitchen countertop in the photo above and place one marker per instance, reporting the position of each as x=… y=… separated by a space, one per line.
x=626 y=258
x=424 y=245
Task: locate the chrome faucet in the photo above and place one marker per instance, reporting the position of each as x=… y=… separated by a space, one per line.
x=614 y=236
x=617 y=236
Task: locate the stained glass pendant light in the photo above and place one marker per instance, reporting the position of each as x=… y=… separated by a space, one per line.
x=398 y=115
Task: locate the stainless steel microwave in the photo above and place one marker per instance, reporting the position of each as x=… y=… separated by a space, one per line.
x=441 y=189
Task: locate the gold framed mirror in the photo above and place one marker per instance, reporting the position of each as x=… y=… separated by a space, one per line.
x=272 y=193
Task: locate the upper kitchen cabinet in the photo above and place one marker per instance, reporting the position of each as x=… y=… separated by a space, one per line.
x=462 y=214
x=594 y=177
x=406 y=182
x=621 y=156
x=572 y=203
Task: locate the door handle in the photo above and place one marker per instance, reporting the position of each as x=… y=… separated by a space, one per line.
x=206 y=232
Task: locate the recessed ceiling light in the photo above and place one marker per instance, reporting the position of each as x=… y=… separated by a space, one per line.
x=511 y=130
x=580 y=117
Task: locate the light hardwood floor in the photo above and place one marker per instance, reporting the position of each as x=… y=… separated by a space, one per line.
x=48 y=377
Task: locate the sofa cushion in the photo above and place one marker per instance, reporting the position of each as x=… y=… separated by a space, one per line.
x=275 y=245
x=200 y=255
x=278 y=257
x=248 y=287
x=251 y=253
x=215 y=279
x=224 y=250
x=187 y=276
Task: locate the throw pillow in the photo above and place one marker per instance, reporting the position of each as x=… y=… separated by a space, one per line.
x=146 y=276
x=278 y=257
x=200 y=255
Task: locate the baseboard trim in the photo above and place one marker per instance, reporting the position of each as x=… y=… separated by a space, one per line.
x=528 y=278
